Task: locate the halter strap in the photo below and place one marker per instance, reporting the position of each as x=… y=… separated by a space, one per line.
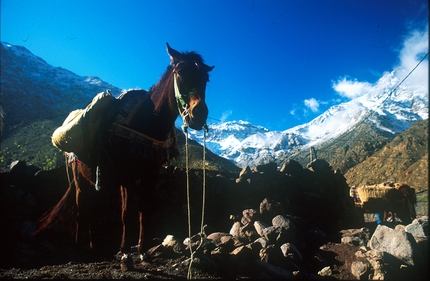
x=180 y=102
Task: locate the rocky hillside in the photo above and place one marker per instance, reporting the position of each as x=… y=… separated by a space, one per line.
x=348 y=149
x=404 y=159
x=35 y=99
x=195 y=150
x=32 y=89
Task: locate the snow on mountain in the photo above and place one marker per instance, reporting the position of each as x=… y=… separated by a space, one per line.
x=390 y=110
x=48 y=90
x=52 y=91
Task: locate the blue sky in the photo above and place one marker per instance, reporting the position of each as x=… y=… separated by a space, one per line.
x=278 y=64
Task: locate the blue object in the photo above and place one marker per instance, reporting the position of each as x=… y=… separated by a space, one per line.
x=378 y=218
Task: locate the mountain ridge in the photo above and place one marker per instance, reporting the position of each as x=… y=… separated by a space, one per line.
x=389 y=107
x=61 y=91
x=28 y=80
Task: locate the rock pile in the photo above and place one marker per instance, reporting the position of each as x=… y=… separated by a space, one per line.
x=261 y=223
x=389 y=251
x=289 y=248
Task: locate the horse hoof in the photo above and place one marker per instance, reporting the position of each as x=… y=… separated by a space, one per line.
x=145 y=257
x=126 y=263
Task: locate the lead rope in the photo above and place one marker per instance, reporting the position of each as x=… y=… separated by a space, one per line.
x=206 y=129
x=97 y=185
x=189 y=273
x=202 y=234
x=185 y=113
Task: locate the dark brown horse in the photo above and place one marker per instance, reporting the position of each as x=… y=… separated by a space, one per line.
x=137 y=140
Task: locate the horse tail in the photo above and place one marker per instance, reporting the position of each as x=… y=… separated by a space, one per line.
x=63 y=211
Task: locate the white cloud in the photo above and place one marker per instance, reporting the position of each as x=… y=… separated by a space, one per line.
x=225 y=115
x=351 y=89
x=293 y=111
x=414 y=48
x=298 y=111
x=312 y=104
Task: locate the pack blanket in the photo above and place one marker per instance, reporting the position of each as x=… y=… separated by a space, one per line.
x=81 y=127
x=362 y=194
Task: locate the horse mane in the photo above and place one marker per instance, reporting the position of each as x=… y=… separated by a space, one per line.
x=161 y=88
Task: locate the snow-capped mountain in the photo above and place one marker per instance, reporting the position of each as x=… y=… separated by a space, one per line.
x=32 y=89
x=389 y=108
x=35 y=89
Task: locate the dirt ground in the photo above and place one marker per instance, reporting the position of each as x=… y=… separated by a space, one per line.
x=339 y=255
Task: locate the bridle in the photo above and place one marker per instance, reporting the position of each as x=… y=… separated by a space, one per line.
x=183 y=107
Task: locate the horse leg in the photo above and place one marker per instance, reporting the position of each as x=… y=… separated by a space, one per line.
x=405 y=214
x=84 y=210
x=141 y=232
x=123 y=217
x=126 y=259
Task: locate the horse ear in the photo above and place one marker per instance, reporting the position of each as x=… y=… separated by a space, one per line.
x=173 y=54
x=209 y=68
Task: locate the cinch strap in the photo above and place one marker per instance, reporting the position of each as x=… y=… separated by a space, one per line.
x=126 y=132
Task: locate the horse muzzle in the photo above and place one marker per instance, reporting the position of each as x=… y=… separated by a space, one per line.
x=198 y=113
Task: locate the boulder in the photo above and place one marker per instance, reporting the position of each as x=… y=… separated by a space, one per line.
x=376 y=260
x=267 y=168
x=245 y=173
x=319 y=166
x=356 y=237
x=292 y=167
x=217 y=236
x=360 y=269
x=251 y=215
x=290 y=251
x=270 y=233
x=326 y=271
x=397 y=243
x=263 y=242
x=284 y=222
x=259 y=227
x=235 y=229
x=270 y=255
x=418 y=228
x=169 y=241
x=242 y=253
x=270 y=208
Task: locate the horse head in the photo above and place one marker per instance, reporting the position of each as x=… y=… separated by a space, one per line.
x=190 y=76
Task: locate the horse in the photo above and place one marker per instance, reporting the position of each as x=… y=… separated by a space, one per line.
x=137 y=140
x=399 y=203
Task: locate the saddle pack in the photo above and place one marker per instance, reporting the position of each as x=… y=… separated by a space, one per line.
x=81 y=127
x=80 y=130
